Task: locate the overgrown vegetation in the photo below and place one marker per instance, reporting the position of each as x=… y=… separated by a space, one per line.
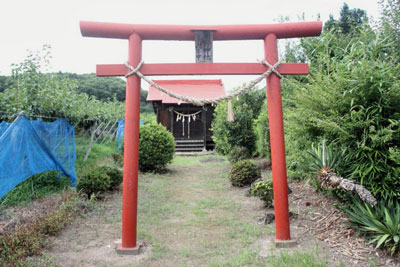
x=351 y=99
x=37 y=186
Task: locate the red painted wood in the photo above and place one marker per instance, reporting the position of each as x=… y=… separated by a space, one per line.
x=202 y=69
x=185 y=32
x=131 y=148
x=277 y=142
x=136 y=33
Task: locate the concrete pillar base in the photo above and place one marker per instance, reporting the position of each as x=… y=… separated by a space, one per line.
x=285 y=243
x=129 y=251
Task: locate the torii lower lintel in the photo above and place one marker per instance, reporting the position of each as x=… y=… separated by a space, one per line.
x=136 y=33
x=202 y=69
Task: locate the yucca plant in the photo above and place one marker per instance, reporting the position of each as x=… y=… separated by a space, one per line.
x=381 y=223
x=323 y=157
x=325 y=160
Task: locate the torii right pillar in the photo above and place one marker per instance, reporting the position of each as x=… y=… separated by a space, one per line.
x=277 y=143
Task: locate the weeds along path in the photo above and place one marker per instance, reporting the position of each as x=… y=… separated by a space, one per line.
x=190 y=216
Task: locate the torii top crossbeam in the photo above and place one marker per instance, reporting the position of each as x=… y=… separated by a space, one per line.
x=186 y=32
x=203 y=35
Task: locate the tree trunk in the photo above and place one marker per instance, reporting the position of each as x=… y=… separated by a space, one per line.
x=331 y=180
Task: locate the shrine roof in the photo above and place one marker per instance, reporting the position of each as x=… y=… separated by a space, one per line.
x=189 y=88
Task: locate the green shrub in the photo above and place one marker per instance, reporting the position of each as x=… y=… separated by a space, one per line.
x=380 y=223
x=238 y=153
x=263 y=190
x=243 y=173
x=352 y=98
x=96 y=182
x=240 y=132
x=115 y=175
x=156 y=147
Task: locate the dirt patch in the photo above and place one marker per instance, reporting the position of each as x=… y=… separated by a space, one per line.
x=13 y=217
x=212 y=159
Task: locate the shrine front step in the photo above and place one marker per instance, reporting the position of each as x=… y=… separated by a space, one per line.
x=189 y=145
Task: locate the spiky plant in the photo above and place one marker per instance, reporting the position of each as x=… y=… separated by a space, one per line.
x=324 y=158
x=380 y=223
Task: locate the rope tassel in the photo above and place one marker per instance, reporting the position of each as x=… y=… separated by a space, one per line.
x=230 y=116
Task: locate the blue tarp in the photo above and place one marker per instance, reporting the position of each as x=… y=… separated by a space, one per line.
x=121 y=132
x=32 y=147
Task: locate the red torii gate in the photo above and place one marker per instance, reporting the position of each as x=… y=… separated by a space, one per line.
x=137 y=33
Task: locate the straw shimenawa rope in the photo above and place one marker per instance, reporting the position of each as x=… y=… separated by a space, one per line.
x=203 y=101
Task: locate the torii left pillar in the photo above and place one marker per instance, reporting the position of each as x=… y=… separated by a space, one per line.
x=270 y=33
x=131 y=151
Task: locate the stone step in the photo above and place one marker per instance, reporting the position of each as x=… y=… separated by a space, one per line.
x=183 y=141
x=189 y=149
x=190 y=145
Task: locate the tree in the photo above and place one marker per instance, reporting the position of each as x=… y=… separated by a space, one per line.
x=349 y=20
x=105 y=88
x=49 y=95
x=240 y=132
x=390 y=25
x=5 y=82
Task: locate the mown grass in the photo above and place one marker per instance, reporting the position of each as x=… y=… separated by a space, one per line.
x=191 y=200
x=310 y=258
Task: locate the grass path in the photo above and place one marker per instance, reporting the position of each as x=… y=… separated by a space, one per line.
x=190 y=216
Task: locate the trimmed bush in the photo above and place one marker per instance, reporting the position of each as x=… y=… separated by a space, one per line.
x=263 y=190
x=243 y=173
x=96 y=182
x=238 y=153
x=115 y=175
x=156 y=147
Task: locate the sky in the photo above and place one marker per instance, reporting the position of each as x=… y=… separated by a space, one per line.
x=28 y=25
